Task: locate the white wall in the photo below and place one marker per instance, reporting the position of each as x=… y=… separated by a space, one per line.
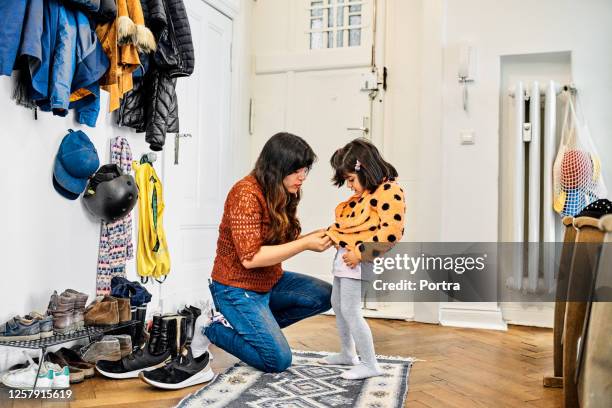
x=499 y=28
x=452 y=189
x=458 y=186
x=48 y=242
x=51 y=243
x=422 y=39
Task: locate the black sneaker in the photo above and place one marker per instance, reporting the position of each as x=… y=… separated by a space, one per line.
x=183 y=371
x=161 y=347
x=133 y=364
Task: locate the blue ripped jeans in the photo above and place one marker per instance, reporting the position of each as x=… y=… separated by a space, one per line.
x=257 y=318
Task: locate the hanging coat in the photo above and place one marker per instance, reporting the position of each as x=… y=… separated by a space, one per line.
x=152 y=258
x=13 y=13
x=121 y=40
x=152 y=107
x=62 y=56
x=91 y=65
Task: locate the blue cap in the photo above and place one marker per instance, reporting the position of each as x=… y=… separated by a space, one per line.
x=76 y=160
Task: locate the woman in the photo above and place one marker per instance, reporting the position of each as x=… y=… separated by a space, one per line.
x=258 y=231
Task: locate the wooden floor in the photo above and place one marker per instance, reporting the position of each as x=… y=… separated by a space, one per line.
x=461 y=367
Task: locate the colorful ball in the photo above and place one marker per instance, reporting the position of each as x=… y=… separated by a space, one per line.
x=576 y=169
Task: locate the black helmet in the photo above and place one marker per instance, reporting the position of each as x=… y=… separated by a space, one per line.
x=110 y=194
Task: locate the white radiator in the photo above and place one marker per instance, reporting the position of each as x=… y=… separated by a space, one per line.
x=534 y=148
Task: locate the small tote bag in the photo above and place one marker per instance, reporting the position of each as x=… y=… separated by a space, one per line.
x=577 y=177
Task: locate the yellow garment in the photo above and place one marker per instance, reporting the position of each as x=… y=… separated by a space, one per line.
x=370 y=217
x=153 y=258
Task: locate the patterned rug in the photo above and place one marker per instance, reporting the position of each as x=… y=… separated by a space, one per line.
x=306 y=384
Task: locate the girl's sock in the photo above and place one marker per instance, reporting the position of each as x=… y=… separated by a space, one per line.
x=347 y=355
x=350 y=299
x=361 y=371
x=340 y=359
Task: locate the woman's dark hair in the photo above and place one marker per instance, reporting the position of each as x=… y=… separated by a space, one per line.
x=372 y=170
x=282 y=155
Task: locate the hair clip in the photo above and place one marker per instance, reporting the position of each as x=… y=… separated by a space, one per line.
x=357 y=165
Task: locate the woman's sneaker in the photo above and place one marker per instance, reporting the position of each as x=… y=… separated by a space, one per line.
x=24 y=378
x=61 y=376
x=182 y=371
x=50 y=376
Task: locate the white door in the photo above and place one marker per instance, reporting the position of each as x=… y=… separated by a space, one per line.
x=313 y=68
x=196 y=184
x=311 y=60
x=327 y=105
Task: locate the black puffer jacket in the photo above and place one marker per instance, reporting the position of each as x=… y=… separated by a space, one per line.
x=152 y=106
x=174 y=47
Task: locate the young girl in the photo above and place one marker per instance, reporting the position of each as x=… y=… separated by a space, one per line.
x=374 y=213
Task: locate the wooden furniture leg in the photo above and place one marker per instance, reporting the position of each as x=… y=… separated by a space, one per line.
x=579 y=286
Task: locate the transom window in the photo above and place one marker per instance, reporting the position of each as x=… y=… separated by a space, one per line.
x=335 y=23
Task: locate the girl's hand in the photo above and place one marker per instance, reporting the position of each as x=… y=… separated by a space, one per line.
x=317 y=241
x=350 y=259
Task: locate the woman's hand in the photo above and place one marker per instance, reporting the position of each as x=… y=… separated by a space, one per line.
x=350 y=259
x=317 y=241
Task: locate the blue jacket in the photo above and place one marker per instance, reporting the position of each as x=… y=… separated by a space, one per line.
x=63 y=55
x=12 y=12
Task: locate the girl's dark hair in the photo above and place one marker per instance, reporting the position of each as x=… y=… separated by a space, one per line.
x=282 y=155
x=373 y=168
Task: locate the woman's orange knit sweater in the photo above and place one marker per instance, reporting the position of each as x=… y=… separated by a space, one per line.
x=244 y=225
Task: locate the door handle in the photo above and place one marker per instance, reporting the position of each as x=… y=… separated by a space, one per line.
x=177 y=139
x=365 y=127
x=362 y=129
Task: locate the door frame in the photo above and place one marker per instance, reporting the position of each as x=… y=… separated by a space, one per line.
x=238 y=12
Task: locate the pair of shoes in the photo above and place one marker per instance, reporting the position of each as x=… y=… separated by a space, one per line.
x=185 y=369
x=123 y=288
x=75 y=374
x=107 y=348
x=20 y=329
x=67 y=310
x=74 y=359
x=107 y=311
x=163 y=343
x=50 y=376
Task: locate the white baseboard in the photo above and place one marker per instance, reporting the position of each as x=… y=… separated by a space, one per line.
x=393 y=311
x=532 y=314
x=473 y=318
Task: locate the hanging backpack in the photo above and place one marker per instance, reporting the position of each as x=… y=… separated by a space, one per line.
x=577 y=177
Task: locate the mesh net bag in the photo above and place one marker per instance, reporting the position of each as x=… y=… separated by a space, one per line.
x=577 y=178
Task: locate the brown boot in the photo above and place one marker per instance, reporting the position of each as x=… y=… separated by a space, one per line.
x=61 y=307
x=80 y=300
x=104 y=311
x=125 y=312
